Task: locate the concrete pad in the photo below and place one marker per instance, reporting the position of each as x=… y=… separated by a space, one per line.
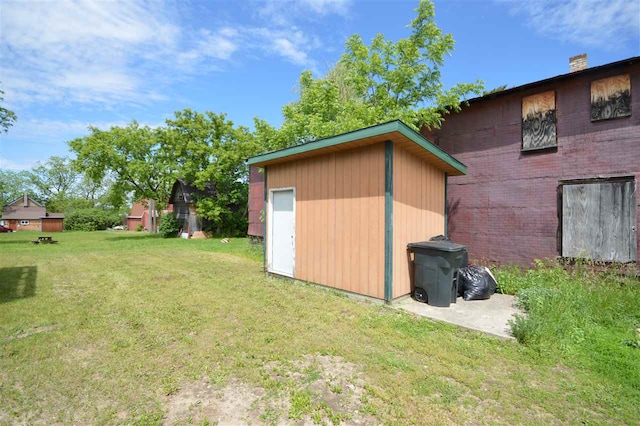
x=488 y=316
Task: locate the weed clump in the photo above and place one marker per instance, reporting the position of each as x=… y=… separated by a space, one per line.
x=588 y=317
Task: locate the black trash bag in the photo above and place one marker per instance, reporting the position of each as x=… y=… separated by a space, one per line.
x=439 y=238
x=476 y=283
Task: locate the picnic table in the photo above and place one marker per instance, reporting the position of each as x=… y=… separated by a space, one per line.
x=44 y=240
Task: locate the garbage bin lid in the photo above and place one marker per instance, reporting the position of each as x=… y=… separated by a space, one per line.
x=437 y=245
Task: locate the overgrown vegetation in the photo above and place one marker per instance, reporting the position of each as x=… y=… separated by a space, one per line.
x=590 y=318
x=128 y=321
x=169 y=226
x=91 y=220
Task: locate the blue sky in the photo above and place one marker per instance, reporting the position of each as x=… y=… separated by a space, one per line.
x=65 y=65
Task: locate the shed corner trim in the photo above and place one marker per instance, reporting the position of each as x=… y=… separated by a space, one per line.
x=388 y=221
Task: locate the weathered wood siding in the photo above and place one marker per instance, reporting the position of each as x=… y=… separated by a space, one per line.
x=339 y=218
x=598 y=221
x=418 y=210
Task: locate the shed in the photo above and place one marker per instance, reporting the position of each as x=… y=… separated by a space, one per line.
x=340 y=211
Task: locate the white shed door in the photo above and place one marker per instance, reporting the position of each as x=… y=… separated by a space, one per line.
x=282 y=232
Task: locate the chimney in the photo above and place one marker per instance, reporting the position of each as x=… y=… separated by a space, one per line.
x=578 y=63
x=26 y=199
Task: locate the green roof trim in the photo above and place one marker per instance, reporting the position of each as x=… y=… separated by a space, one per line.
x=367 y=132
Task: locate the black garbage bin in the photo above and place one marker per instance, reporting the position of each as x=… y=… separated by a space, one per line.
x=436 y=265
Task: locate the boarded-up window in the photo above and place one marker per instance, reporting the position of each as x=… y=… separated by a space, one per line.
x=598 y=220
x=611 y=98
x=539 y=121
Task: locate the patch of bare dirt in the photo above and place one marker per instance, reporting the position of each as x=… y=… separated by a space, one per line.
x=199 y=401
x=82 y=356
x=334 y=390
x=34 y=330
x=331 y=381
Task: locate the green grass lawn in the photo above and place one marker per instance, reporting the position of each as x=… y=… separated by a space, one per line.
x=124 y=328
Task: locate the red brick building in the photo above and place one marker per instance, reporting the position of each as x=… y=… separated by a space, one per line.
x=575 y=196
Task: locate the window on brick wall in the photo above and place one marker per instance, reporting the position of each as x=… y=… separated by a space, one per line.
x=24 y=222
x=539 y=121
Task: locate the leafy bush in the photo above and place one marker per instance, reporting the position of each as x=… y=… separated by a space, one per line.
x=510 y=279
x=169 y=226
x=91 y=219
x=139 y=227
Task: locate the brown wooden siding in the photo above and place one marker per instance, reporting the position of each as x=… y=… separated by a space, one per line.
x=339 y=218
x=52 y=225
x=418 y=210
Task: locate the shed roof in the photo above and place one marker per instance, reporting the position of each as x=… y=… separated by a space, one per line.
x=137 y=209
x=54 y=216
x=396 y=131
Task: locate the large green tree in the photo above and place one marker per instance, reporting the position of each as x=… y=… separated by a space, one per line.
x=55 y=182
x=132 y=156
x=13 y=184
x=375 y=83
x=210 y=152
x=204 y=148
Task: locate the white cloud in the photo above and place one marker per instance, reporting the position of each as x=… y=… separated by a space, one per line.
x=80 y=51
x=326 y=7
x=290 y=51
x=289 y=43
x=7 y=164
x=61 y=131
x=111 y=53
x=585 y=22
x=218 y=45
x=284 y=12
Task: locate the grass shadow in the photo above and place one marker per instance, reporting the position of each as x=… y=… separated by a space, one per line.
x=14 y=242
x=17 y=283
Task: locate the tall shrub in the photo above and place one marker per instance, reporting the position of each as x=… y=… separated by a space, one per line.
x=90 y=220
x=169 y=226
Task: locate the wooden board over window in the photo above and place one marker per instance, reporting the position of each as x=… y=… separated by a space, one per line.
x=539 y=121
x=598 y=220
x=611 y=98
